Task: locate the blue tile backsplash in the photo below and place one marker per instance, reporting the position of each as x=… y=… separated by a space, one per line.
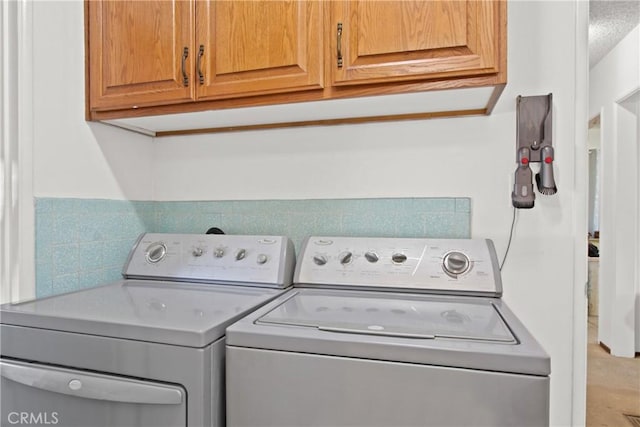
x=85 y=242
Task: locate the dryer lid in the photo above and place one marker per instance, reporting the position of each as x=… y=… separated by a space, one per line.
x=187 y=314
x=408 y=316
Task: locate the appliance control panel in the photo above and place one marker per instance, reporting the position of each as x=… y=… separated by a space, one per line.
x=213 y=258
x=453 y=266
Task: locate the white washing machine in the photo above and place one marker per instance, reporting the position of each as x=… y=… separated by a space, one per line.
x=388 y=332
x=144 y=351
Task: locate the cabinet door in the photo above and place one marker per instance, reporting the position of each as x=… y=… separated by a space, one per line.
x=258 y=47
x=383 y=41
x=137 y=53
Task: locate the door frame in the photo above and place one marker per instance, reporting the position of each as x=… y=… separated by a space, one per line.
x=17 y=241
x=580 y=214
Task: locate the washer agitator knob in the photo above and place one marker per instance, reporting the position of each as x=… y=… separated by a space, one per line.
x=456 y=263
x=155 y=252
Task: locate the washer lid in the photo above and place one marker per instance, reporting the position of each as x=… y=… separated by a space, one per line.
x=185 y=314
x=428 y=317
x=439 y=330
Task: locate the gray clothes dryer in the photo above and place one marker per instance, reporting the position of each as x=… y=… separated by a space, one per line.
x=144 y=351
x=388 y=332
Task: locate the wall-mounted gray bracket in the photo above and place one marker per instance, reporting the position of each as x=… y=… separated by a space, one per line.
x=534 y=130
x=534 y=144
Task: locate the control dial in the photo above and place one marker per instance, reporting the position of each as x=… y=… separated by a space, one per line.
x=320 y=259
x=197 y=252
x=398 y=258
x=241 y=254
x=456 y=263
x=218 y=252
x=262 y=259
x=156 y=252
x=345 y=257
x=371 y=256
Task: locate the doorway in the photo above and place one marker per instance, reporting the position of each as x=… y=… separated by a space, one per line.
x=613 y=364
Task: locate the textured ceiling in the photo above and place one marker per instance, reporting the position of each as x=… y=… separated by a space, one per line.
x=609 y=22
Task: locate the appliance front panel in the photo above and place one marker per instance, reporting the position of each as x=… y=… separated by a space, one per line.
x=295 y=389
x=36 y=394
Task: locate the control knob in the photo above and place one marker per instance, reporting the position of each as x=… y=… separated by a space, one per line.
x=262 y=259
x=320 y=259
x=197 y=252
x=241 y=254
x=398 y=258
x=218 y=252
x=456 y=263
x=155 y=252
x=371 y=256
x=345 y=258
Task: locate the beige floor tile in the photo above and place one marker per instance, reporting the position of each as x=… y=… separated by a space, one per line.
x=613 y=384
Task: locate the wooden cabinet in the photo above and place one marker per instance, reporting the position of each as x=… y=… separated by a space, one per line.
x=257 y=47
x=145 y=53
x=157 y=57
x=136 y=51
x=389 y=41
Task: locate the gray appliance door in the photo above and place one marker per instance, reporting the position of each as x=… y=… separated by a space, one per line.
x=43 y=395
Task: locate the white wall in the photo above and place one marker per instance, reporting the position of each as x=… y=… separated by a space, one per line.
x=61 y=155
x=72 y=158
x=11 y=176
x=628 y=245
x=594 y=138
x=638 y=237
x=472 y=157
x=613 y=79
x=447 y=157
x=616 y=75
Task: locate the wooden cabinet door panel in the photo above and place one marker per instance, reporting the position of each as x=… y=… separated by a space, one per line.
x=383 y=41
x=135 y=51
x=258 y=47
